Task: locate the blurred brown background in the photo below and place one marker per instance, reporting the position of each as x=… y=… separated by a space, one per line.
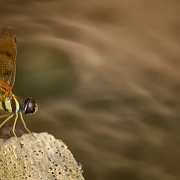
x=106 y=76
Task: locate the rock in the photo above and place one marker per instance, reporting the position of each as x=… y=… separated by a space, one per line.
x=37 y=156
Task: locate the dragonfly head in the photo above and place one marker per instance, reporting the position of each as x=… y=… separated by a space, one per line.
x=30 y=106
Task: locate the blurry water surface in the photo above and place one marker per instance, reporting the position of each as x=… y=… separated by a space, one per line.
x=106 y=75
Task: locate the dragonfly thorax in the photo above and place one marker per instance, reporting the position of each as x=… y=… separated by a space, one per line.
x=10 y=104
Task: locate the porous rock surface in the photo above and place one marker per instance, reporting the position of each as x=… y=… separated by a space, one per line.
x=40 y=156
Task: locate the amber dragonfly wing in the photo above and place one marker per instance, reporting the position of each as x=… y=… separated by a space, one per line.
x=8 y=51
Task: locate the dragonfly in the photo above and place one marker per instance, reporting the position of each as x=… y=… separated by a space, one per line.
x=9 y=102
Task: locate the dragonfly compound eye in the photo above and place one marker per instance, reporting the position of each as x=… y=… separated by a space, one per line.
x=30 y=106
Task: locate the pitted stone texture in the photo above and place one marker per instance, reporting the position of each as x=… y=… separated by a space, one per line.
x=40 y=157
